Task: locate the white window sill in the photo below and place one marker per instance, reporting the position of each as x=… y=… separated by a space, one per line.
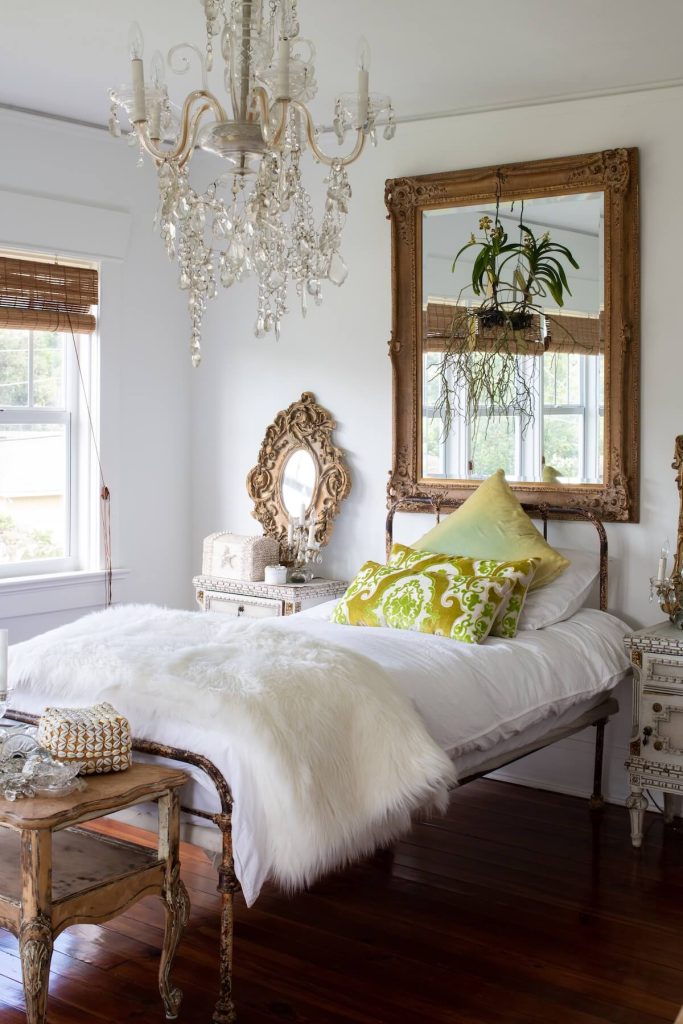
x=37 y=595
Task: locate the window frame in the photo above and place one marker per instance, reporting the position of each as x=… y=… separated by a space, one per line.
x=529 y=451
x=81 y=527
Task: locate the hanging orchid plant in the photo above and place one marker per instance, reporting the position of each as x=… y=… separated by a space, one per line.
x=482 y=369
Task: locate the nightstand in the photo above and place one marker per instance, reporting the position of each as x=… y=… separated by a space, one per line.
x=260 y=600
x=656 y=747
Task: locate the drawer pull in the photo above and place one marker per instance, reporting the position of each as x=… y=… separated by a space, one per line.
x=240 y=610
x=658 y=745
x=657 y=708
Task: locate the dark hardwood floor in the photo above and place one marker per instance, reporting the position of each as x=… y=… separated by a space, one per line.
x=511 y=910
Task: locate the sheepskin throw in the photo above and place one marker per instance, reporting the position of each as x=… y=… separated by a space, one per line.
x=325 y=758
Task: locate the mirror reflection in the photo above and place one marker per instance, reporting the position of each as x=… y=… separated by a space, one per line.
x=298 y=482
x=555 y=434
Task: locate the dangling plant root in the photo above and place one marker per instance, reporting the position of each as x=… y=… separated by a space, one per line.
x=480 y=379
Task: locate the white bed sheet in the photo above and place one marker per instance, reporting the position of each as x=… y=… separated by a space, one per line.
x=475 y=700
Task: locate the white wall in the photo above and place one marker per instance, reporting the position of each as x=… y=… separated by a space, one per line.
x=145 y=364
x=340 y=353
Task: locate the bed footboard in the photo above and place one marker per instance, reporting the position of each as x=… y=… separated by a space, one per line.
x=224 y=1012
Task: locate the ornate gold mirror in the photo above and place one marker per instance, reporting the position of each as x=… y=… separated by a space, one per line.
x=555 y=404
x=299 y=471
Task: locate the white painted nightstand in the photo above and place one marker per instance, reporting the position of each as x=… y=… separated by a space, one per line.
x=656 y=749
x=259 y=600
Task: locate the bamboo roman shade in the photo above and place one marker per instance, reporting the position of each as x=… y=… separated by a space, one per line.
x=47 y=296
x=566 y=332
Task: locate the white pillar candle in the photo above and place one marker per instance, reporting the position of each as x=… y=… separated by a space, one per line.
x=363 y=92
x=138 y=112
x=4 y=641
x=363 y=61
x=290 y=533
x=282 y=87
x=661 y=571
x=155 y=122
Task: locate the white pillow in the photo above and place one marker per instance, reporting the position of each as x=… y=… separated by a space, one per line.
x=561 y=598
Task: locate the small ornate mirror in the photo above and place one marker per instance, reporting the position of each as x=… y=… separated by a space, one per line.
x=299 y=470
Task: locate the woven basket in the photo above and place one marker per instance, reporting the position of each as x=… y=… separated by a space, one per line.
x=98 y=736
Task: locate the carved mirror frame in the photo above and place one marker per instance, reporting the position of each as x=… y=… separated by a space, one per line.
x=613 y=172
x=302 y=425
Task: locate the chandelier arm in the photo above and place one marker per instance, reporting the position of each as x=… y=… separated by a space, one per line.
x=260 y=97
x=192 y=133
x=343 y=161
x=188 y=125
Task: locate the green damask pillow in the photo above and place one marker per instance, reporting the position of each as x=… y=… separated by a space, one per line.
x=429 y=600
x=521 y=572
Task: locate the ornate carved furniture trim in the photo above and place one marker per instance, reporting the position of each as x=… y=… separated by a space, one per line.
x=614 y=172
x=656 y=745
x=53 y=875
x=261 y=599
x=302 y=425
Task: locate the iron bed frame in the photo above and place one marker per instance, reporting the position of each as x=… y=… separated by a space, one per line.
x=228 y=884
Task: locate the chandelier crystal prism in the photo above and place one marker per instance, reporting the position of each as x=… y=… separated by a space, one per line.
x=254 y=217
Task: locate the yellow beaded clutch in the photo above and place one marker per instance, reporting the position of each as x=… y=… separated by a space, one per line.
x=98 y=736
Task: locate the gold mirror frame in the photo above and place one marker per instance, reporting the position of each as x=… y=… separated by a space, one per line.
x=613 y=172
x=302 y=425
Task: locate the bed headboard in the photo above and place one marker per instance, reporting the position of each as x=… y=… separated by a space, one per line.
x=430 y=503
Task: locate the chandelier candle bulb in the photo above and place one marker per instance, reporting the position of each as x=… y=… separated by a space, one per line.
x=363 y=79
x=311 y=534
x=138 y=112
x=282 y=85
x=290 y=533
x=136 y=48
x=661 y=571
x=155 y=122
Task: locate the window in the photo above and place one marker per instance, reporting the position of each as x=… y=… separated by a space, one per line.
x=564 y=441
x=47 y=487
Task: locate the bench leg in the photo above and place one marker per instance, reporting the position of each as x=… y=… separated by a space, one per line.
x=35 y=930
x=177 y=907
x=174 y=895
x=35 y=950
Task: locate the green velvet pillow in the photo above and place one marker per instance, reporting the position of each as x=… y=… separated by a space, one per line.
x=520 y=573
x=429 y=600
x=492 y=524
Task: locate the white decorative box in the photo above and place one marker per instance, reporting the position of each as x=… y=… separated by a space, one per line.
x=230 y=556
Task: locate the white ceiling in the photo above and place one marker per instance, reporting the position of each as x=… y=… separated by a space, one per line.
x=60 y=56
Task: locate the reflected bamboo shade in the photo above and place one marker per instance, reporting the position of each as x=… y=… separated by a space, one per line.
x=568 y=332
x=47 y=296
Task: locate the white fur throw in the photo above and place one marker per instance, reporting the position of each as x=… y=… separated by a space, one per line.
x=325 y=758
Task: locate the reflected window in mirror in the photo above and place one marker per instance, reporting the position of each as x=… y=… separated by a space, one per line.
x=563 y=364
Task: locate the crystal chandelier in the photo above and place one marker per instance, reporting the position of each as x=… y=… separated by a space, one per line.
x=255 y=217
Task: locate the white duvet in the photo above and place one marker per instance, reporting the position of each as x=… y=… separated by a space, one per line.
x=468 y=697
